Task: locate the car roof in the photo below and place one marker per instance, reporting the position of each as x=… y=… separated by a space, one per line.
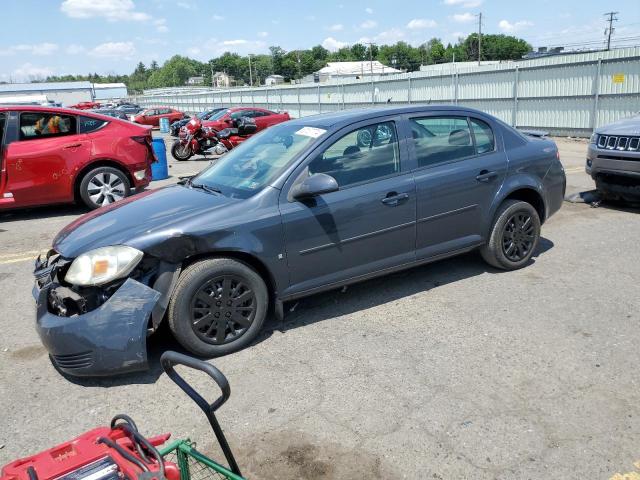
x=342 y=118
x=40 y=108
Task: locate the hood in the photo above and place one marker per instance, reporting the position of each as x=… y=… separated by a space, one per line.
x=139 y=216
x=627 y=126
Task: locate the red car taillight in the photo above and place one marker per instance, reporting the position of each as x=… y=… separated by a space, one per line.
x=146 y=141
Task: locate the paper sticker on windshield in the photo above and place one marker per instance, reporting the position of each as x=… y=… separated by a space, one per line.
x=310 y=132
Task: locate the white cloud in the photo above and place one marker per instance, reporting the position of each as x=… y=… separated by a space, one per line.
x=161 y=25
x=112 y=10
x=113 y=50
x=389 y=36
x=217 y=18
x=369 y=10
x=506 y=26
x=194 y=51
x=185 y=5
x=369 y=24
x=235 y=42
x=464 y=3
x=32 y=72
x=332 y=44
x=419 y=23
x=311 y=18
x=464 y=17
x=263 y=34
x=240 y=45
x=39 y=49
x=74 y=49
x=336 y=27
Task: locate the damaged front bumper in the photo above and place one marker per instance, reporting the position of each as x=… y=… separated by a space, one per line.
x=110 y=339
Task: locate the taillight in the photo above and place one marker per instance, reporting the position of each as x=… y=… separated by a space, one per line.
x=146 y=141
x=142 y=139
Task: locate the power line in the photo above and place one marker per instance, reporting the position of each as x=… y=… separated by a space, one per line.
x=609 y=30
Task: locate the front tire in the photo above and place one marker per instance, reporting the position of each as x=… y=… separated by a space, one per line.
x=514 y=237
x=180 y=152
x=218 y=307
x=103 y=186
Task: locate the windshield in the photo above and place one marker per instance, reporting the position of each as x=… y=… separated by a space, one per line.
x=218 y=115
x=252 y=165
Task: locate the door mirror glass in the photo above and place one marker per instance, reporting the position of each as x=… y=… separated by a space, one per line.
x=314 y=185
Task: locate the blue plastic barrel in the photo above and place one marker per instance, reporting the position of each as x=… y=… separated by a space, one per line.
x=164 y=125
x=159 y=169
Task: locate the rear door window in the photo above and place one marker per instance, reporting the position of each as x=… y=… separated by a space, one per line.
x=2 y=123
x=441 y=139
x=483 y=134
x=35 y=125
x=89 y=124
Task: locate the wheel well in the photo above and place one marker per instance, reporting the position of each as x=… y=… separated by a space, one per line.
x=243 y=257
x=532 y=197
x=98 y=164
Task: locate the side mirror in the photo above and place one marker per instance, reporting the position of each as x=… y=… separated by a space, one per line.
x=314 y=185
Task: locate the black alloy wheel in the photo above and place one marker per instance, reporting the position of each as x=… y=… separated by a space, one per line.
x=514 y=235
x=518 y=237
x=223 y=309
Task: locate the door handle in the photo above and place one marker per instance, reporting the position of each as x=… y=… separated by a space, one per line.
x=486 y=175
x=392 y=199
x=73 y=145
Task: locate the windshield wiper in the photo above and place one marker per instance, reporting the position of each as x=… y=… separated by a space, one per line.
x=185 y=180
x=205 y=187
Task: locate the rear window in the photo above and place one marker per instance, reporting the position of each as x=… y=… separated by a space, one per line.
x=89 y=124
x=2 y=121
x=35 y=125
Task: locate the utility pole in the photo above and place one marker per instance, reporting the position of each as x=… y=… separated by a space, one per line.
x=609 y=31
x=479 y=37
x=371 y=44
x=250 y=74
x=211 y=65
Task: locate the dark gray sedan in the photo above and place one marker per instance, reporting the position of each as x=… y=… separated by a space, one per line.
x=302 y=207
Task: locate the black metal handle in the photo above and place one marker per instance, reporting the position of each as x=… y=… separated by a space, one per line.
x=486 y=175
x=169 y=359
x=394 y=198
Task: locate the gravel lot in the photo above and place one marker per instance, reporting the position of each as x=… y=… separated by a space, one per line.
x=447 y=371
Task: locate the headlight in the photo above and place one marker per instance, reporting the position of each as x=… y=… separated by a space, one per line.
x=594 y=137
x=103 y=265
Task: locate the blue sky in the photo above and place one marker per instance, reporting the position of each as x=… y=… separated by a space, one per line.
x=41 y=37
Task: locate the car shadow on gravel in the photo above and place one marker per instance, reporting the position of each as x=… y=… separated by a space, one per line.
x=324 y=306
x=372 y=293
x=594 y=199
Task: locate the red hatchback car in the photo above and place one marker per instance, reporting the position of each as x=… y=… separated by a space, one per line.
x=263 y=118
x=59 y=155
x=152 y=116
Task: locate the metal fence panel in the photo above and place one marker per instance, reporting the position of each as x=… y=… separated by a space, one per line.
x=571 y=93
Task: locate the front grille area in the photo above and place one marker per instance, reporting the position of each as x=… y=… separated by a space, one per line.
x=618 y=142
x=76 y=360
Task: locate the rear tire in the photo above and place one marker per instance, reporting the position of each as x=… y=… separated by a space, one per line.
x=180 y=152
x=218 y=307
x=103 y=186
x=514 y=237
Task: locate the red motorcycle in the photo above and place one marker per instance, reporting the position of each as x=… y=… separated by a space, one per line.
x=195 y=139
